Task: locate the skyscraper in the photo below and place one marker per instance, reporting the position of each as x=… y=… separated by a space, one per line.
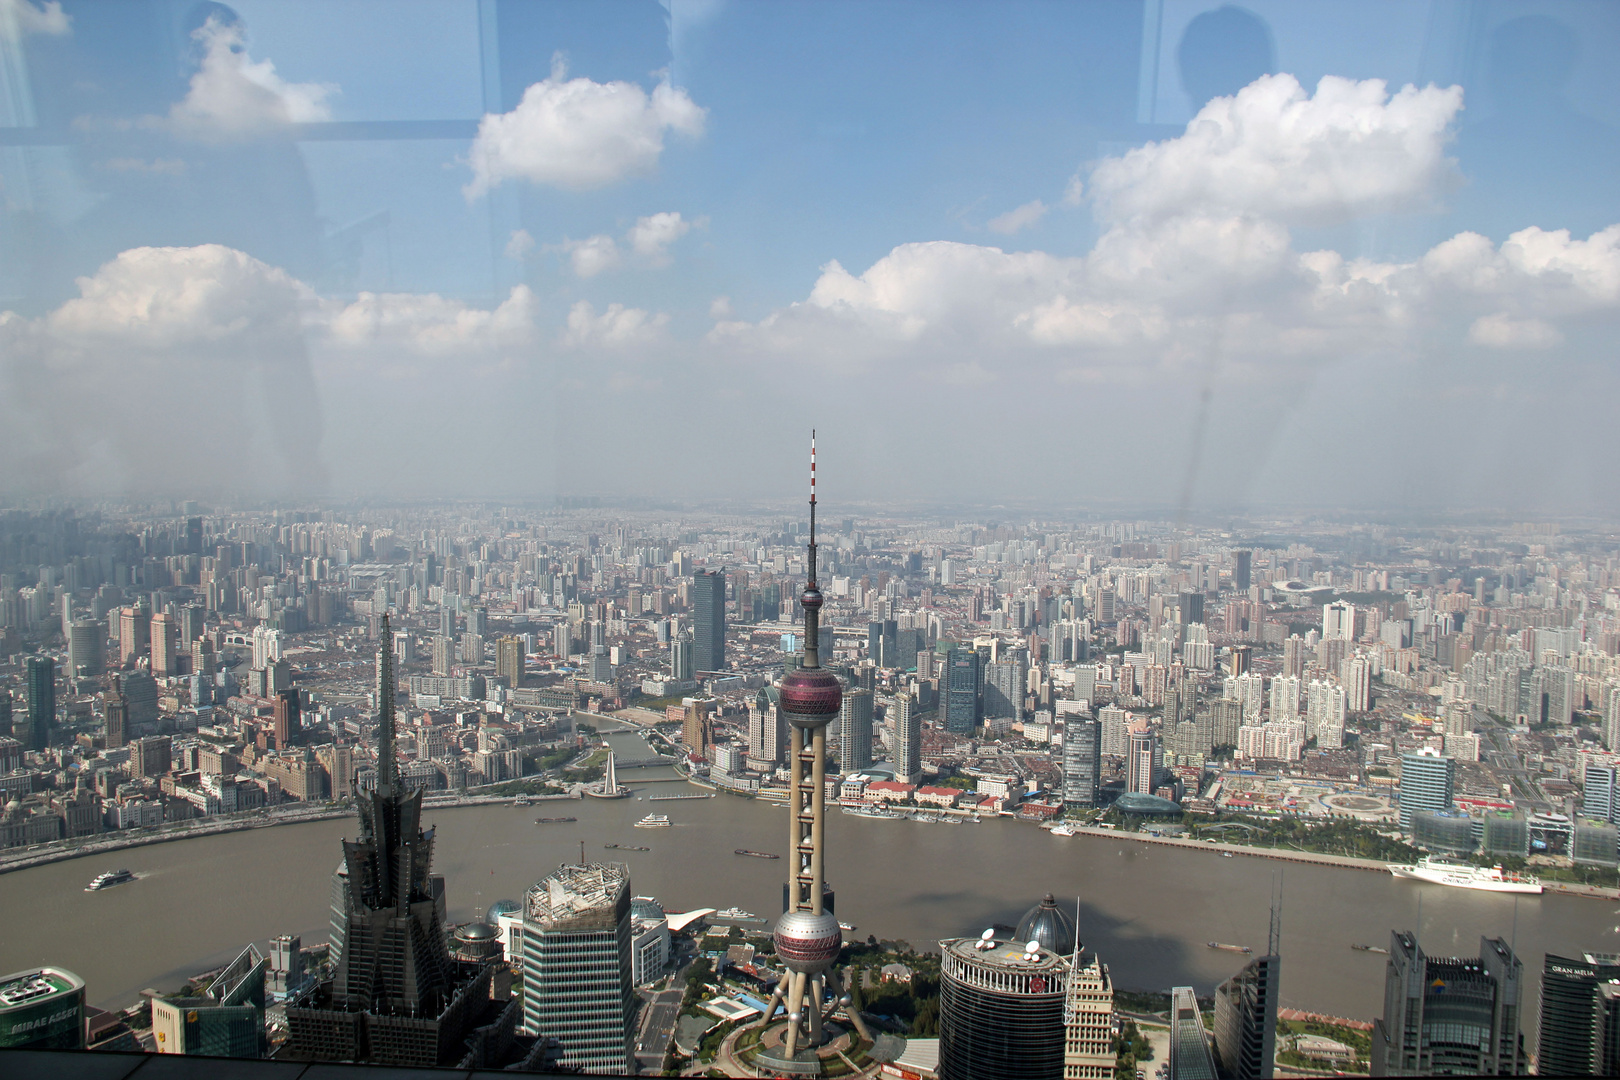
x=1190 y=1055
x=40 y=678
x=444 y=654
x=509 y=660
x=117 y=717
x=87 y=648
x=1446 y=1016
x=1143 y=764
x=134 y=630
x=1002 y=1002
x=1190 y=608
x=1570 y=1041
x=695 y=733
x=808 y=938
x=227 y=1020
x=1082 y=762
x=1246 y=1016
x=1338 y=621
x=855 y=732
x=709 y=621
x=682 y=665
x=1427 y=778
x=907 y=739
x=287 y=719
x=578 y=985
x=961 y=690
x=396 y=996
x=1240 y=570
x=165 y=631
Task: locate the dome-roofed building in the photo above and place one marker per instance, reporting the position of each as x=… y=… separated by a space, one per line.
x=499 y=908
x=1144 y=805
x=1048 y=924
x=476 y=940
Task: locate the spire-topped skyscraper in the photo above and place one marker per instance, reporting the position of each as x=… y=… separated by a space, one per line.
x=808 y=939
x=396 y=996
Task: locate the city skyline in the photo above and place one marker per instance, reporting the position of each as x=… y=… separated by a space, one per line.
x=402 y=418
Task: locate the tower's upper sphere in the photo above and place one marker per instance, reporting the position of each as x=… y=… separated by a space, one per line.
x=811 y=598
x=810 y=698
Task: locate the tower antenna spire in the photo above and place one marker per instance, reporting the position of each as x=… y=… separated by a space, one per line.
x=812 y=592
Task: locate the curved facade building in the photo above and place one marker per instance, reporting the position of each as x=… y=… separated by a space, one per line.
x=1001 y=1011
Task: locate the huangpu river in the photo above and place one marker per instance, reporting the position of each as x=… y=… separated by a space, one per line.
x=1148 y=910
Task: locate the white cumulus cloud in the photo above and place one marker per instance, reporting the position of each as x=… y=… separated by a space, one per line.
x=233 y=95
x=1505 y=332
x=519 y=244
x=19 y=17
x=1272 y=150
x=429 y=324
x=617 y=327
x=593 y=255
x=579 y=134
x=1019 y=218
x=651 y=236
x=648 y=242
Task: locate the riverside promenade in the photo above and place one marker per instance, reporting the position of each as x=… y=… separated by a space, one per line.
x=287 y=814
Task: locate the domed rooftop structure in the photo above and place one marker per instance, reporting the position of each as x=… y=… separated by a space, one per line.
x=501 y=907
x=1143 y=805
x=1048 y=924
x=645 y=907
x=476 y=931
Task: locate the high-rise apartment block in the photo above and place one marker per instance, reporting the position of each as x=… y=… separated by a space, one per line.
x=1143 y=763
x=855 y=731
x=1082 y=762
x=165 y=644
x=907 y=739
x=509 y=658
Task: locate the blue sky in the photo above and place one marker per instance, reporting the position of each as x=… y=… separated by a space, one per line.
x=1002 y=293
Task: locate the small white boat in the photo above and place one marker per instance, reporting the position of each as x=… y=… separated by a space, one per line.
x=109 y=879
x=1062 y=830
x=654 y=821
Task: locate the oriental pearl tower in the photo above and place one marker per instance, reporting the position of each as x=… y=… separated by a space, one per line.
x=808 y=939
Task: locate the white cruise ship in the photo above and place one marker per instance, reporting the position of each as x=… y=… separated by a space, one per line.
x=1464 y=876
x=654 y=821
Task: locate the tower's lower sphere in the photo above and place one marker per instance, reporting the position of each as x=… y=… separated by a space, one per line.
x=807 y=942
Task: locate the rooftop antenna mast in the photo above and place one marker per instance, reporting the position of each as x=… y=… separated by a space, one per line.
x=385 y=710
x=1274 y=938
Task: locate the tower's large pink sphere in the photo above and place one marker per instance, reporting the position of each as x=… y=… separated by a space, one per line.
x=810 y=698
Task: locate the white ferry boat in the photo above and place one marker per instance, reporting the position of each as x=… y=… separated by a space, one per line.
x=1062 y=830
x=1465 y=876
x=654 y=821
x=735 y=913
x=109 y=879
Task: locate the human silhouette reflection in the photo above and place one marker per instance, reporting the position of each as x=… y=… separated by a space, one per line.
x=1222 y=51
x=1524 y=144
